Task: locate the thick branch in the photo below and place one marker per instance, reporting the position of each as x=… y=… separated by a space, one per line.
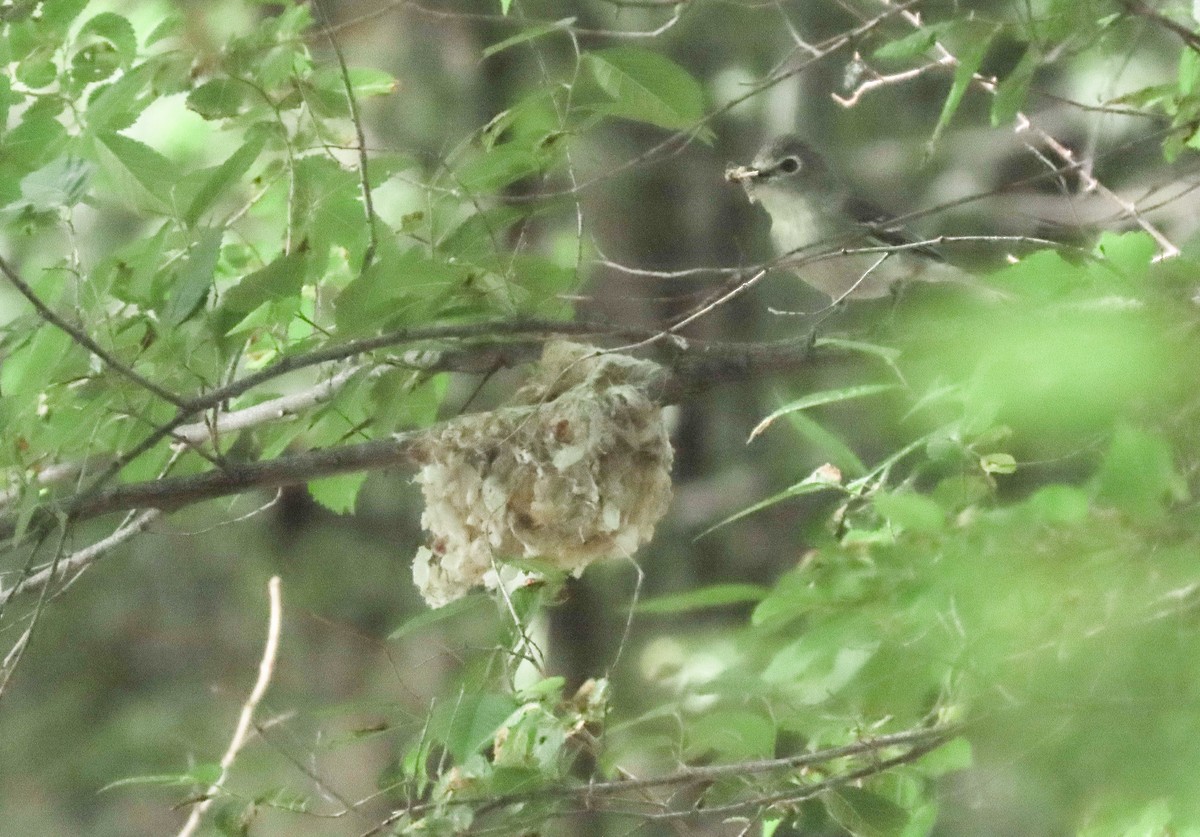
x=691 y=366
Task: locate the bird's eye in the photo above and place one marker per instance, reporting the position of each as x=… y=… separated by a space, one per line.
x=790 y=165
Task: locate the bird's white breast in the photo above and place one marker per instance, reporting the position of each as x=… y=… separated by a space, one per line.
x=795 y=223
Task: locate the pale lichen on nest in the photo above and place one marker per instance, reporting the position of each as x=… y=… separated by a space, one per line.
x=577 y=469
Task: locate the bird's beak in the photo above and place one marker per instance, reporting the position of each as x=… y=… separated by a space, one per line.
x=741 y=174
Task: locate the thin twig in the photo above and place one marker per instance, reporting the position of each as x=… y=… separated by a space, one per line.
x=356 y=118
x=1139 y=9
x=80 y=559
x=265 y=669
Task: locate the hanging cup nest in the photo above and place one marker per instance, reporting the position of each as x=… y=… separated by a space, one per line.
x=577 y=469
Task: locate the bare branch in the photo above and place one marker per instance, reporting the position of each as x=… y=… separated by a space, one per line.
x=82 y=558
x=265 y=669
x=1139 y=9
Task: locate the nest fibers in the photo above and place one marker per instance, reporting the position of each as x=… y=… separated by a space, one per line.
x=578 y=469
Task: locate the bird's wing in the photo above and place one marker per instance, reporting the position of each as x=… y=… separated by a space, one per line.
x=884 y=226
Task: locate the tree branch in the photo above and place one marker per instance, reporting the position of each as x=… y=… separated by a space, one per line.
x=1139 y=9
x=692 y=367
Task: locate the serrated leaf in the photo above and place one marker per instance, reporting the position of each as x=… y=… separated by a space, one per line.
x=116 y=106
x=806 y=486
x=284 y=799
x=466 y=723
x=998 y=463
x=969 y=61
x=732 y=734
x=1011 y=91
x=646 y=87
x=141 y=173
x=529 y=34
x=428 y=618
x=221 y=178
x=35 y=141
x=912 y=512
x=394 y=284
x=195 y=278
x=865 y=814
x=218 y=99
x=832 y=396
x=908 y=46
x=368 y=81
x=499 y=166
x=717 y=595
x=114 y=29
x=280 y=279
x=61 y=183
x=202 y=774
x=337 y=493
x=830 y=447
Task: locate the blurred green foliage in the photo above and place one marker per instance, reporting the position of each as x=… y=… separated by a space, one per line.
x=969 y=518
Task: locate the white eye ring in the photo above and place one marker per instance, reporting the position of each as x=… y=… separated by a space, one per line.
x=789 y=165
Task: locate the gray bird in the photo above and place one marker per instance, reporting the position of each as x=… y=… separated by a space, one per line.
x=815 y=215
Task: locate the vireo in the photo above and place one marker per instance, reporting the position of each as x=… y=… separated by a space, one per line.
x=814 y=216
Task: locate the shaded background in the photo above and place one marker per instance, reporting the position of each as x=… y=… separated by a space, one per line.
x=144 y=668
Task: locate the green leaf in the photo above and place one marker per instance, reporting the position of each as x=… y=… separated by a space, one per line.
x=820 y=664
x=865 y=814
x=368 y=81
x=498 y=167
x=140 y=173
x=37 y=140
x=1131 y=253
x=1061 y=504
x=469 y=722
x=63 y=182
x=528 y=35
x=646 y=87
x=60 y=13
x=104 y=44
x=218 y=99
x=115 y=29
x=281 y=279
x=284 y=799
x=950 y=757
x=428 y=618
x=337 y=493
x=831 y=396
x=202 y=774
x=1138 y=475
x=717 y=595
x=730 y=734
x=195 y=279
x=218 y=180
x=911 y=512
x=827 y=445
x=969 y=60
x=998 y=463
x=1011 y=92
x=1189 y=72
x=399 y=287
x=908 y=46
x=37 y=71
x=32 y=367
x=808 y=485
x=116 y=106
